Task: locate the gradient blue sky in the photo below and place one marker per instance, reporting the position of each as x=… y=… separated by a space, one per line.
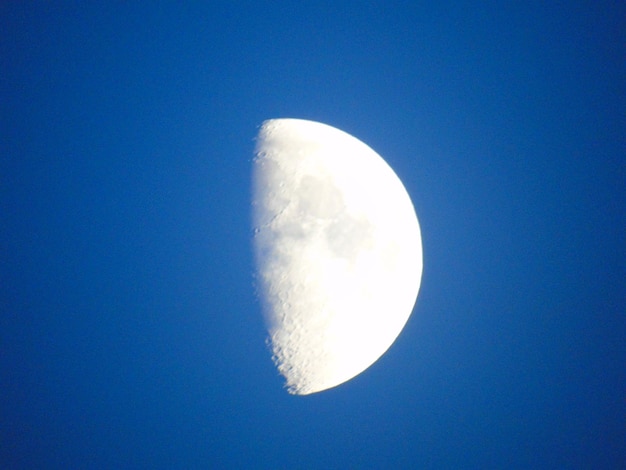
x=130 y=336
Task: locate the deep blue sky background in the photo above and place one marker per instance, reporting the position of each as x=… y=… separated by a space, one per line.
x=130 y=336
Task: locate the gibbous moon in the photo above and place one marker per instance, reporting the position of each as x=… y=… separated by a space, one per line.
x=338 y=252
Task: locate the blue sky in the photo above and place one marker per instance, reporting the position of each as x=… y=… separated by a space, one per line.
x=130 y=334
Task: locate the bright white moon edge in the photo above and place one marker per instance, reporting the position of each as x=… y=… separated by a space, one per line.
x=338 y=252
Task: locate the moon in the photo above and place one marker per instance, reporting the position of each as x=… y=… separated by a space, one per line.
x=337 y=248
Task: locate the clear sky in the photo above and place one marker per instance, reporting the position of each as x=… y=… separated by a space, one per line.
x=130 y=335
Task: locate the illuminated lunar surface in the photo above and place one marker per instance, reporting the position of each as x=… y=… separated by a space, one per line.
x=338 y=252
